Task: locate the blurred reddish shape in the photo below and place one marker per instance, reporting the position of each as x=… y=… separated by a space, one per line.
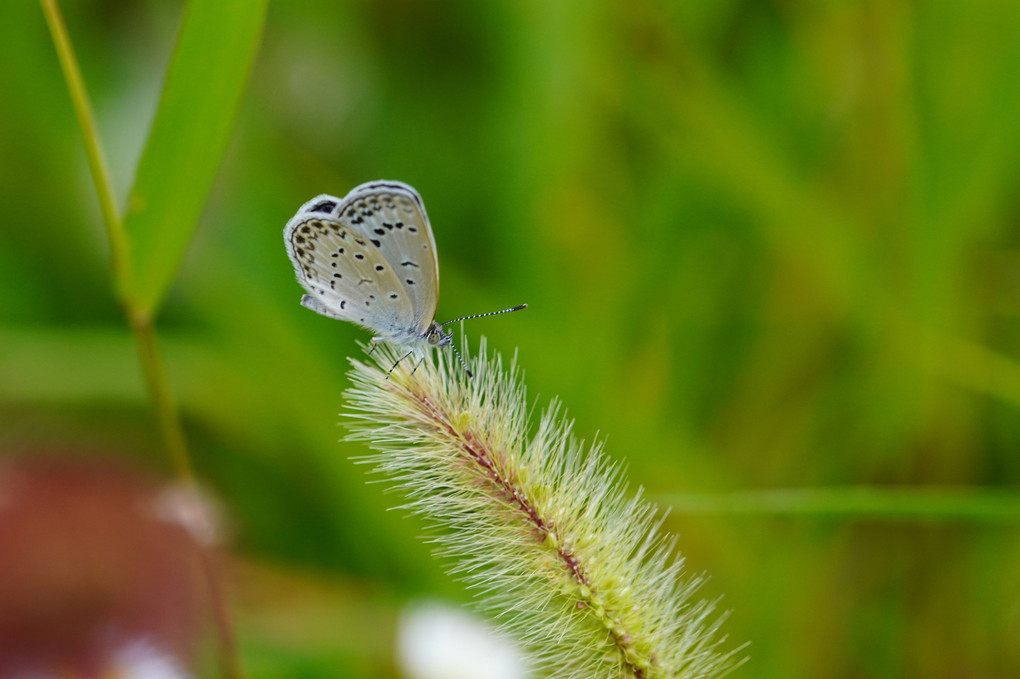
x=88 y=568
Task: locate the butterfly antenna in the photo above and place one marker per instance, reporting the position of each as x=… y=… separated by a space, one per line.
x=491 y=313
x=460 y=358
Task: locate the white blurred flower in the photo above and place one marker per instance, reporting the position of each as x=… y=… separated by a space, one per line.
x=141 y=660
x=437 y=641
x=194 y=510
x=134 y=660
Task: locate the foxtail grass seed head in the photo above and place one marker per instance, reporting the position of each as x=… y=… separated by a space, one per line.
x=540 y=526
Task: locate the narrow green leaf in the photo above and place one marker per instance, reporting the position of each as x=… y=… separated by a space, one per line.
x=859 y=502
x=204 y=83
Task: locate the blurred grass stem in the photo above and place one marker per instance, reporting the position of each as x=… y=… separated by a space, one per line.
x=93 y=148
x=141 y=323
x=140 y=320
x=857 y=503
x=162 y=397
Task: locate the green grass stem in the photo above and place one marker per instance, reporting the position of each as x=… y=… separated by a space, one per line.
x=93 y=150
x=858 y=502
x=140 y=319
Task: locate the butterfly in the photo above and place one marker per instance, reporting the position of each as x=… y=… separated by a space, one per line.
x=370 y=258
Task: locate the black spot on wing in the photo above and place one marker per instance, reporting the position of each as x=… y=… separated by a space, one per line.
x=325 y=206
x=408 y=262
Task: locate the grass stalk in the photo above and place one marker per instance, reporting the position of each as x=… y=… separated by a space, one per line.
x=162 y=397
x=141 y=322
x=858 y=503
x=115 y=233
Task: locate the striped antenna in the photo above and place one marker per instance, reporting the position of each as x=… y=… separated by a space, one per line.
x=491 y=313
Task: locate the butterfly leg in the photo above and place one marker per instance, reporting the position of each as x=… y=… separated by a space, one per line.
x=398 y=363
x=375 y=343
x=418 y=364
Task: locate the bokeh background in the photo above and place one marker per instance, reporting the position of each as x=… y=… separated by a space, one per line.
x=765 y=244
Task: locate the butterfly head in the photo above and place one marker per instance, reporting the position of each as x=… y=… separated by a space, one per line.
x=437 y=337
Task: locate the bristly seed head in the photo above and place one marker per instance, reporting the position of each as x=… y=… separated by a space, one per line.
x=538 y=525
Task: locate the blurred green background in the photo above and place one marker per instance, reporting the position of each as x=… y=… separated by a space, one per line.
x=764 y=245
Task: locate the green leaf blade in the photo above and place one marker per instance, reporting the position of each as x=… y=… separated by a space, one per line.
x=206 y=78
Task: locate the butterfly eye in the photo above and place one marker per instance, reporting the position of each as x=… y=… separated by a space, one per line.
x=434 y=338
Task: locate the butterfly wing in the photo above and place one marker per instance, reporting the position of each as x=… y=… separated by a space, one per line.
x=394 y=215
x=345 y=274
x=368 y=258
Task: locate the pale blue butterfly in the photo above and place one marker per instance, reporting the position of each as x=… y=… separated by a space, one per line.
x=370 y=258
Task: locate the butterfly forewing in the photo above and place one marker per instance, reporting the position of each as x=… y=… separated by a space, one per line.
x=368 y=258
x=393 y=217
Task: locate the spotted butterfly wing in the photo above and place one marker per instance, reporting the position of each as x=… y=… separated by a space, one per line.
x=369 y=258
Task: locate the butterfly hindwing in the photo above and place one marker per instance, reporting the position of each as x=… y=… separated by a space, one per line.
x=341 y=271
